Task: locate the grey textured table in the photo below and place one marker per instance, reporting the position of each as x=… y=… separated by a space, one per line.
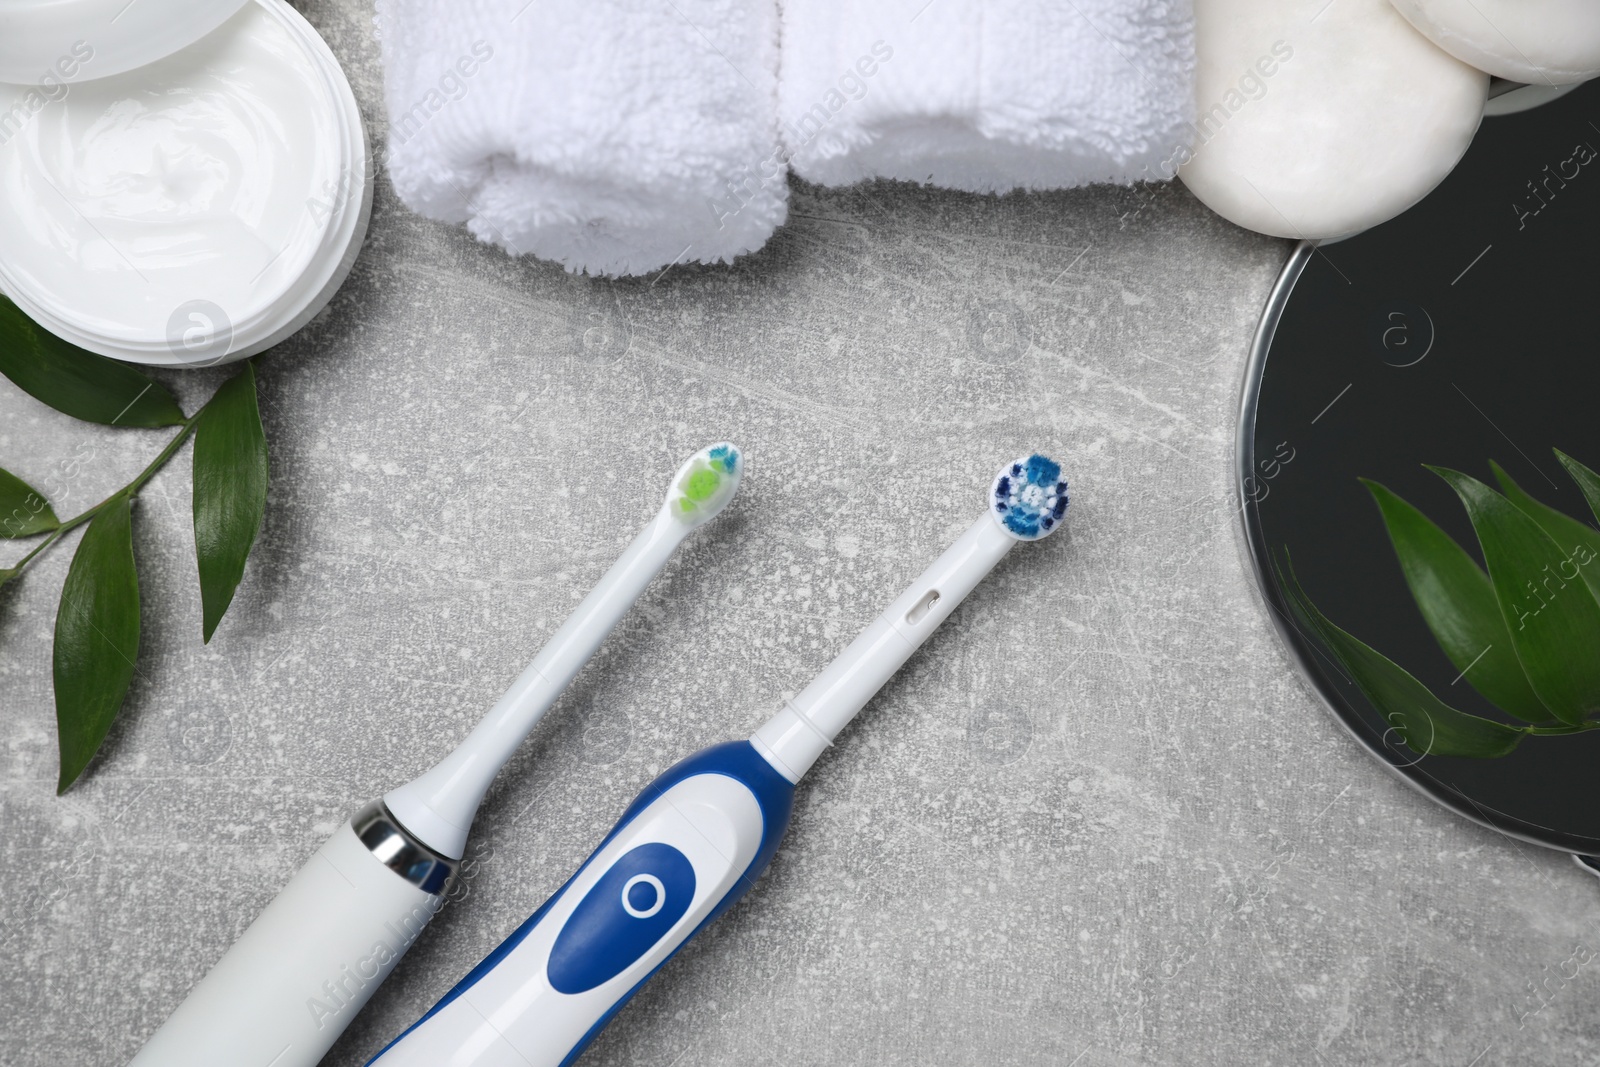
x=1096 y=821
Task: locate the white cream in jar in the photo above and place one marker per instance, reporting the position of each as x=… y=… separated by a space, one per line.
x=189 y=210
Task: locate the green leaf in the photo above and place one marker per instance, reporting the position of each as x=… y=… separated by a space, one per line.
x=77 y=382
x=97 y=637
x=1587 y=480
x=230 y=491
x=1458 y=602
x=1580 y=542
x=23 y=509
x=1425 y=724
x=1553 y=620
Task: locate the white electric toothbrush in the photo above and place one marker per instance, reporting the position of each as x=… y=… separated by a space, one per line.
x=698 y=836
x=291 y=984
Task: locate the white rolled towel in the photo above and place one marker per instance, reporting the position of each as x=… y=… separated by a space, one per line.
x=986 y=95
x=609 y=136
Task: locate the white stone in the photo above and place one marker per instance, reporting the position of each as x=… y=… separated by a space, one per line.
x=1541 y=42
x=1321 y=118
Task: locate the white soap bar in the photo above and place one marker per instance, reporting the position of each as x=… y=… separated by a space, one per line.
x=1541 y=42
x=1321 y=118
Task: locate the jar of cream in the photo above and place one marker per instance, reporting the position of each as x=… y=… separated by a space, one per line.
x=182 y=182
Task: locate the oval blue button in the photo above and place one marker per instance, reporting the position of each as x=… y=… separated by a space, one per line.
x=628 y=910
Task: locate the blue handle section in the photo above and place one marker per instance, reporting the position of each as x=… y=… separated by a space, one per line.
x=629 y=909
x=736 y=759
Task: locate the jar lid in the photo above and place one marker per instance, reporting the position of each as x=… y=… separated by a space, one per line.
x=74 y=40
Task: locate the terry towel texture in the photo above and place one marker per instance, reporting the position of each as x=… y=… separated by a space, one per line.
x=612 y=137
x=986 y=95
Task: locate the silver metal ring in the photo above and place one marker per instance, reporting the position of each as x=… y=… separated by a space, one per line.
x=400 y=851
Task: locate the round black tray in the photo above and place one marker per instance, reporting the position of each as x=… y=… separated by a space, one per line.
x=1462 y=331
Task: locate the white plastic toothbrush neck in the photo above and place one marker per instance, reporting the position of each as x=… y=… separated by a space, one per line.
x=793 y=738
x=439 y=806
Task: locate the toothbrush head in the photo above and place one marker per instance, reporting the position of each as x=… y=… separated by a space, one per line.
x=704 y=484
x=1029 y=497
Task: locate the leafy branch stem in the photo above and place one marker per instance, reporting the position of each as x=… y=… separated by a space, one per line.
x=97 y=624
x=185 y=429
x=1554 y=731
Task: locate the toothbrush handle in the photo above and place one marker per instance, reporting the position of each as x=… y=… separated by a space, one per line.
x=691 y=845
x=293 y=981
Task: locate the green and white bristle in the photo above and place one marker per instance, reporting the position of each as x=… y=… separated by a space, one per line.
x=705 y=483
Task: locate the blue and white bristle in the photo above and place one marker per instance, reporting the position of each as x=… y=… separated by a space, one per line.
x=1030 y=497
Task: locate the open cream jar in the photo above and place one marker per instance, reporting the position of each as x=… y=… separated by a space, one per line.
x=188 y=202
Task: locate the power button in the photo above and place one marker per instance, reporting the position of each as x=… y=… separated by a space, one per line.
x=631 y=907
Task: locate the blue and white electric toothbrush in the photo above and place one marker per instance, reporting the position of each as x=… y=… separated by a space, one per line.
x=297 y=976
x=698 y=836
